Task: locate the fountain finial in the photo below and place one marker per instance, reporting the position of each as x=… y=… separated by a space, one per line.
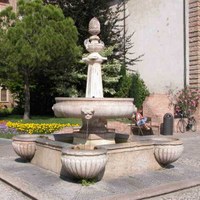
x=94 y=26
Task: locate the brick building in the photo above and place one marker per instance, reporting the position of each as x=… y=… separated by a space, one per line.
x=5 y=3
x=167 y=32
x=6 y=98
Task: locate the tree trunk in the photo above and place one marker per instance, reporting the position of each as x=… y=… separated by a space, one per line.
x=27 y=96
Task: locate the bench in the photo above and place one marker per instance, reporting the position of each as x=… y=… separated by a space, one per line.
x=151 y=125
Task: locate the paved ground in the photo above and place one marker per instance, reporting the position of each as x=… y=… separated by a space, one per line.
x=180 y=181
x=9 y=193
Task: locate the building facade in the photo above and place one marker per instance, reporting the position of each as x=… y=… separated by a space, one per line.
x=6 y=98
x=6 y=3
x=160 y=28
x=167 y=33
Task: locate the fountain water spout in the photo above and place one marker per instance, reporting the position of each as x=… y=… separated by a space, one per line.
x=87 y=113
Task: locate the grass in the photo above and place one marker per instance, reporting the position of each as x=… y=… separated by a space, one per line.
x=45 y=120
x=36 y=119
x=87 y=182
x=41 y=119
x=51 y=119
x=7 y=136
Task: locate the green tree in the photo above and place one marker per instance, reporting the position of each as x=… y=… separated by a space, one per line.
x=117 y=41
x=36 y=37
x=124 y=83
x=138 y=90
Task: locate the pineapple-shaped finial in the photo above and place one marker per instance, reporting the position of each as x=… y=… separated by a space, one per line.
x=94 y=26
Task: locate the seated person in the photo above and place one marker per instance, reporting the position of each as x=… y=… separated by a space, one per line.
x=140 y=120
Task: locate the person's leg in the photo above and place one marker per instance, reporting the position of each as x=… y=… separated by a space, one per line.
x=140 y=122
x=144 y=123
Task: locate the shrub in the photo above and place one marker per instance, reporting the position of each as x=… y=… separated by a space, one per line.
x=185 y=100
x=124 y=84
x=138 y=90
x=4 y=111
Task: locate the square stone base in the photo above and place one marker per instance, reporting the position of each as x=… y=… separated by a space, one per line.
x=123 y=159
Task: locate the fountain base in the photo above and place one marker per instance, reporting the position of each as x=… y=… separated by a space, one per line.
x=127 y=158
x=94 y=139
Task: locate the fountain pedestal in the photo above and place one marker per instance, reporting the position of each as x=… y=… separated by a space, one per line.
x=95 y=139
x=94 y=132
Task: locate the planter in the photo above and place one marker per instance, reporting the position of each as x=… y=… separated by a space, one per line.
x=167 y=150
x=63 y=137
x=121 y=138
x=84 y=163
x=24 y=146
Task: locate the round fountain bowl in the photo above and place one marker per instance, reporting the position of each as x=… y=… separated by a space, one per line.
x=24 y=145
x=167 y=150
x=103 y=107
x=84 y=164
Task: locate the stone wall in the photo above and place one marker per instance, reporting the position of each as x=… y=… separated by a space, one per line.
x=159 y=36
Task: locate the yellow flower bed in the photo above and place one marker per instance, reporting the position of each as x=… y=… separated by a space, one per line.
x=33 y=128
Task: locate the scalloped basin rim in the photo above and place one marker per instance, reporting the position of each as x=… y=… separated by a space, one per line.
x=166 y=141
x=81 y=152
x=102 y=107
x=91 y=99
x=26 y=137
x=162 y=140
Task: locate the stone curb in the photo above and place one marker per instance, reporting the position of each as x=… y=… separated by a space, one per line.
x=36 y=193
x=152 y=192
x=26 y=188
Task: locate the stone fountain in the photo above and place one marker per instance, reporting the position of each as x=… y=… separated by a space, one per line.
x=94 y=109
x=94 y=151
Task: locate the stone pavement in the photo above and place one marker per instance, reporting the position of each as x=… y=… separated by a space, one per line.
x=9 y=193
x=180 y=181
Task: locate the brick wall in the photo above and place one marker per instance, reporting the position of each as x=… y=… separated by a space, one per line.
x=156 y=106
x=4 y=4
x=194 y=43
x=194 y=48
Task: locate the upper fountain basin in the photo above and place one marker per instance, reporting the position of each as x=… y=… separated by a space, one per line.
x=102 y=107
x=98 y=47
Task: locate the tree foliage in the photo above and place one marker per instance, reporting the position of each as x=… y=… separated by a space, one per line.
x=124 y=83
x=111 y=15
x=138 y=90
x=37 y=41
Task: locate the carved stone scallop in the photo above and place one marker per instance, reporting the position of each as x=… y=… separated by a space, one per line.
x=168 y=152
x=24 y=146
x=84 y=164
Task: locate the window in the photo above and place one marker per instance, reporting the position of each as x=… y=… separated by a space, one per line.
x=4 y=1
x=3 y=94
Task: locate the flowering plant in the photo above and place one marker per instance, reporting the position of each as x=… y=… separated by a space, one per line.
x=186 y=100
x=31 y=128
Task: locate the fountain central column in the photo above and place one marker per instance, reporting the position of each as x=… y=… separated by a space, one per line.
x=94 y=87
x=94 y=127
